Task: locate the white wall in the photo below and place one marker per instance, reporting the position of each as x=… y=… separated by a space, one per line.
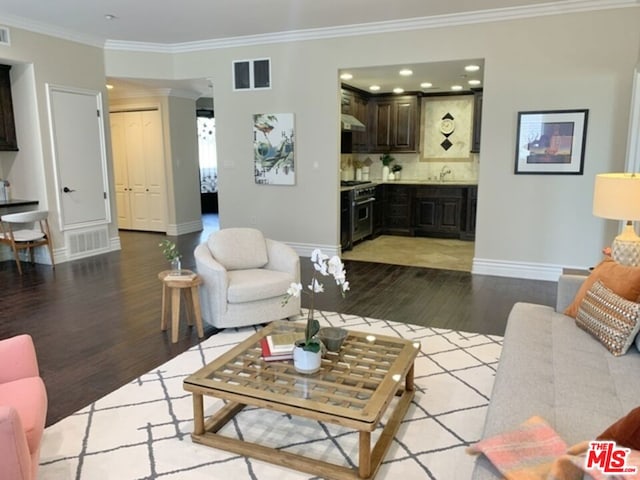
x=39 y=60
x=528 y=225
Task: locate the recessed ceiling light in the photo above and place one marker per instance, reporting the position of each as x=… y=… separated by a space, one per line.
x=374 y=88
x=398 y=90
x=109 y=86
x=110 y=16
x=426 y=85
x=456 y=87
x=346 y=76
x=472 y=68
x=474 y=82
x=405 y=72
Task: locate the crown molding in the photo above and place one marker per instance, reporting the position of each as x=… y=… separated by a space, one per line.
x=51 y=30
x=418 y=23
x=556 y=7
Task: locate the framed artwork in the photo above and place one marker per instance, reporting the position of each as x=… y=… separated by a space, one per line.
x=551 y=142
x=273 y=149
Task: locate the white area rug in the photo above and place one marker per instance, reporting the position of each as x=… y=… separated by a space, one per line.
x=142 y=430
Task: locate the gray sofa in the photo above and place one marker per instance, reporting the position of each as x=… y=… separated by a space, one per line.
x=551 y=368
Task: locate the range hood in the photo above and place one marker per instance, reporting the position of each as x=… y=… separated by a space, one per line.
x=351 y=124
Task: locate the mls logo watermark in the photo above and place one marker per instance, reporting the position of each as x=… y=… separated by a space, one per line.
x=608 y=458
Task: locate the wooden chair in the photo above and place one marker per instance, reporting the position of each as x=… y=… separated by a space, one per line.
x=19 y=236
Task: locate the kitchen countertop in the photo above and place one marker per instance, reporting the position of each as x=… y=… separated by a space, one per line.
x=446 y=183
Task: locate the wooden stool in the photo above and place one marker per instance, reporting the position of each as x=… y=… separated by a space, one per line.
x=177 y=284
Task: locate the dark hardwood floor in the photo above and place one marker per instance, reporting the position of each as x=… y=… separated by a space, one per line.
x=96 y=322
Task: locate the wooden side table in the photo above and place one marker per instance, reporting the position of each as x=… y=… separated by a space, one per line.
x=176 y=284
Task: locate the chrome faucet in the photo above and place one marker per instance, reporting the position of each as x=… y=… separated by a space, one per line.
x=445 y=171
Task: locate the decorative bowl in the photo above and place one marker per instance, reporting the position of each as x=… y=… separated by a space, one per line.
x=332 y=337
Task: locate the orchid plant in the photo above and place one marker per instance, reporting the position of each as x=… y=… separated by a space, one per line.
x=325 y=266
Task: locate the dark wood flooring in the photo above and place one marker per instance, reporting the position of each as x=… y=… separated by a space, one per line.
x=96 y=322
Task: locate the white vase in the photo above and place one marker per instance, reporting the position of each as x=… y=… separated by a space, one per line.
x=391 y=176
x=306 y=362
x=385 y=173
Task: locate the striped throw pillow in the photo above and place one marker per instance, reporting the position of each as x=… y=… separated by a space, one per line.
x=609 y=318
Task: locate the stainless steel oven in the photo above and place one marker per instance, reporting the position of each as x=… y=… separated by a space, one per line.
x=362 y=211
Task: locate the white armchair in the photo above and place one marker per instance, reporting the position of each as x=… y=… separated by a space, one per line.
x=244 y=278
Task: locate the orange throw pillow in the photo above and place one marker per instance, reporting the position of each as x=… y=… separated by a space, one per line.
x=620 y=279
x=626 y=431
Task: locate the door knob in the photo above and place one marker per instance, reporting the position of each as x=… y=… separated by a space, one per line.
x=67 y=190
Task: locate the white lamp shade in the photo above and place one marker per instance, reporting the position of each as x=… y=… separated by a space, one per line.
x=617 y=196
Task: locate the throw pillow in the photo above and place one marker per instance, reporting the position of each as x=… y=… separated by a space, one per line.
x=238 y=248
x=621 y=279
x=609 y=318
x=626 y=431
x=530 y=449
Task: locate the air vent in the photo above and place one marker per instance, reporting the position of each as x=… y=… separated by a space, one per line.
x=4 y=36
x=87 y=242
x=252 y=74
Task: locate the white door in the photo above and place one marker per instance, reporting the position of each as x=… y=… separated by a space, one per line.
x=79 y=155
x=139 y=162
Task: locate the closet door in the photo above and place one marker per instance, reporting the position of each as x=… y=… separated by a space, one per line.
x=138 y=148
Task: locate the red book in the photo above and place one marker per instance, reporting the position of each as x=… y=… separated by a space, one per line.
x=267 y=356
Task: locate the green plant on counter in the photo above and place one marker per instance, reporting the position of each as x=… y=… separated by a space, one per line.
x=396 y=168
x=386 y=159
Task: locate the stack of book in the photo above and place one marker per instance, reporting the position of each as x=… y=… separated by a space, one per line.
x=279 y=346
x=180 y=276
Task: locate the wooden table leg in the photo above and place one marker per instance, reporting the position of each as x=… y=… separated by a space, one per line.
x=408 y=381
x=188 y=307
x=197 y=312
x=175 y=313
x=364 y=451
x=198 y=414
x=163 y=317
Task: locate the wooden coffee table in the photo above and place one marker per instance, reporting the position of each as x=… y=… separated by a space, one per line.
x=353 y=389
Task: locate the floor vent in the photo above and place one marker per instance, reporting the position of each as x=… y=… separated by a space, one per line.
x=88 y=241
x=4 y=36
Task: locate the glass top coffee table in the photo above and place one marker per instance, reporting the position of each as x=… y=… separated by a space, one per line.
x=353 y=388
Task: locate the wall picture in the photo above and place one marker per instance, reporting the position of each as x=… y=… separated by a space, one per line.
x=447 y=128
x=551 y=142
x=273 y=148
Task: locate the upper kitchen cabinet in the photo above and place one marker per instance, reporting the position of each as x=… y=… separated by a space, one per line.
x=356 y=105
x=394 y=123
x=8 y=141
x=477 y=121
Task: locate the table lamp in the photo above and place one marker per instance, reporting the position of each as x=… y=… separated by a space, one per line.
x=617 y=196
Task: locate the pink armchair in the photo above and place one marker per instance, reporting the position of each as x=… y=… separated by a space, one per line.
x=23 y=409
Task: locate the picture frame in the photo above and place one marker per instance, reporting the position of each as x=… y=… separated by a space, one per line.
x=274 y=149
x=551 y=142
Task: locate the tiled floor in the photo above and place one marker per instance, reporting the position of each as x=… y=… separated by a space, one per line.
x=449 y=254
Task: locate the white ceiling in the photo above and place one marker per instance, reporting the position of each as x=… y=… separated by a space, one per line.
x=165 y=22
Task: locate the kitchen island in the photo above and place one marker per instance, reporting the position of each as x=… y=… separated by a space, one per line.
x=17 y=205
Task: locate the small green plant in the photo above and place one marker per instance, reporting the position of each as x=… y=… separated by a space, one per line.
x=386 y=159
x=169 y=250
x=396 y=168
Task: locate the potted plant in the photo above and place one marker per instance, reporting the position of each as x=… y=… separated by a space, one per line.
x=171 y=253
x=386 y=160
x=307 y=354
x=396 y=169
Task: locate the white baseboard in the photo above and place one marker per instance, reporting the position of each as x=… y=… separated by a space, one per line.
x=503 y=268
x=182 y=228
x=305 y=249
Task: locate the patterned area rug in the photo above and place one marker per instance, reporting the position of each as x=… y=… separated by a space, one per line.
x=142 y=430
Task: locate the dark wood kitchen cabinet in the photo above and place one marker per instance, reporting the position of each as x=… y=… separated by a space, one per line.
x=394 y=123
x=8 y=141
x=438 y=211
x=471 y=204
x=378 y=211
x=397 y=209
x=477 y=121
x=355 y=104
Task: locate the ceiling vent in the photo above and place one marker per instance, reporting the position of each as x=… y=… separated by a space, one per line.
x=4 y=36
x=252 y=74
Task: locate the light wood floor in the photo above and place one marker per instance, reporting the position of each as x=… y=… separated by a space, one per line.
x=441 y=253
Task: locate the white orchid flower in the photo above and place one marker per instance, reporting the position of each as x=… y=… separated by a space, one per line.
x=294 y=290
x=345 y=286
x=335 y=265
x=316 y=286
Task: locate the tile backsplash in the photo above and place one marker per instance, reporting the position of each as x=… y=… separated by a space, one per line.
x=415 y=169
